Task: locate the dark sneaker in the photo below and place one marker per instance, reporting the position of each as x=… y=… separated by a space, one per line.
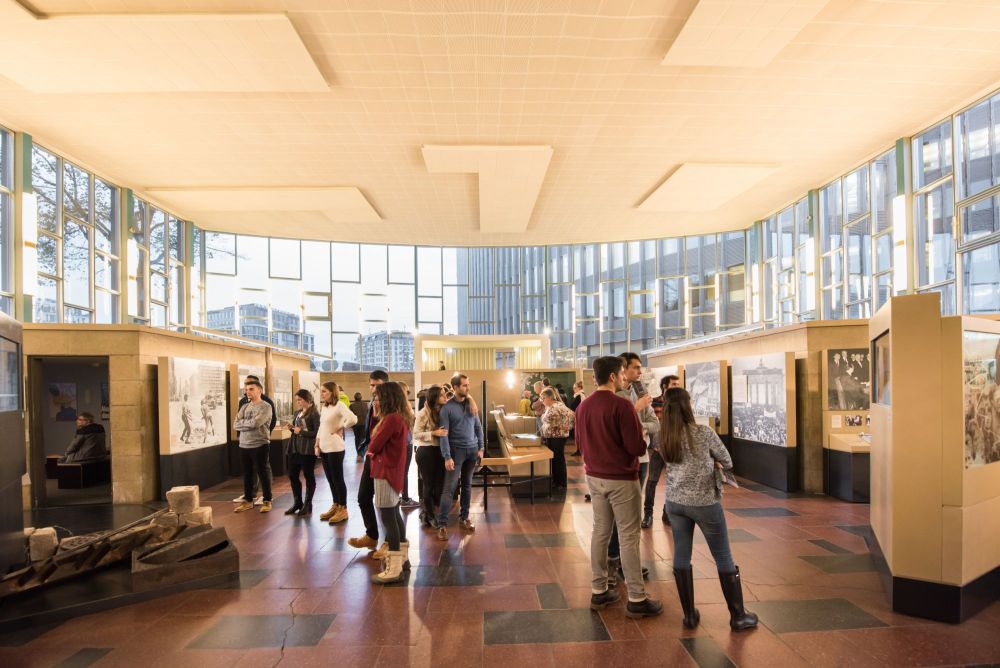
x=647 y=520
x=601 y=601
x=646 y=608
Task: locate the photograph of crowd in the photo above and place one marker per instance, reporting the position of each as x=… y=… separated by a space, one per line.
x=702 y=382
x=848 y=379
x=197 y=409
x=759 y=399
x=853 y=420
x=981 y=353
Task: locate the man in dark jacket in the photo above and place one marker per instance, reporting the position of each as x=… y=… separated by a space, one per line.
x=88 y=443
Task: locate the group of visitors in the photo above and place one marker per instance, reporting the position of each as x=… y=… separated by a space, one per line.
x=614 y=434
x=621 y=434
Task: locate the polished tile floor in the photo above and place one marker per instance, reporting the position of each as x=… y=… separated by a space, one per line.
x=517 y=591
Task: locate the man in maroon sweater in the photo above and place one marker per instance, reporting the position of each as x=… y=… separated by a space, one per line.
x=609 y=435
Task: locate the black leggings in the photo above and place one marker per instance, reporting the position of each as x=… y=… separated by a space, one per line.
x=558 y=464
x=333 y=467
x=430 y=465
x=392 y=522
x=306 y=465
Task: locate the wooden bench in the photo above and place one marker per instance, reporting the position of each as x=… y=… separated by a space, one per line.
x=52 y=467
x=77 y=475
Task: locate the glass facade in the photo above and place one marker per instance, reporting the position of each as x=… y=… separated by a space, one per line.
x=922 y=216
x=6 y=221
x=78 y=243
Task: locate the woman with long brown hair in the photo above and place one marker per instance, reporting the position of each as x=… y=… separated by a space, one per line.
x=430 y=463
x=387 y=450
x=692 y=453
x=301 y=453
x=334 y=418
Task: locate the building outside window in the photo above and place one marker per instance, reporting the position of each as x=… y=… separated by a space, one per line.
x=934 y=214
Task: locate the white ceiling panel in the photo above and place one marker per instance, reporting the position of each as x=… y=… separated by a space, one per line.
x=697 y=187
x=739 y=33
x=510 y=178
x=125 y=53
x=230 y=206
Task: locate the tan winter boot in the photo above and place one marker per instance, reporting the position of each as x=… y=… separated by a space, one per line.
x=339 y=516
x=404 y=549
x=393 y=570
x=330 y=513
x=381 y=552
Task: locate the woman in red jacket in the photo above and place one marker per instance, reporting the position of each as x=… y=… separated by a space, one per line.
x=387 y=450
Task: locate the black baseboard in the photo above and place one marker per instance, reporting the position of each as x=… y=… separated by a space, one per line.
x=204 y=467
x=952 y=604
x=847 y=475
x=770 y=465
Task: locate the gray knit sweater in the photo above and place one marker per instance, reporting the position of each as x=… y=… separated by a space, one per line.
x=692 y=481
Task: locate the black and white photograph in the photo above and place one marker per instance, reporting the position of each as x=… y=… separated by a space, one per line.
x=848 y=379
x=853 y=420
x=283 y=406
x=197 y=393
x=981 y=352
x=758 y=387
x=702 y=382
x=309 y=380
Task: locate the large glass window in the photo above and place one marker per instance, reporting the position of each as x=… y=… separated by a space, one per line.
x=6 y=221
x=78 y=250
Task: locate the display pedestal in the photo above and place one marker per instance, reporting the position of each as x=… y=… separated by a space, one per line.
x=772 y=465
x=847 y=463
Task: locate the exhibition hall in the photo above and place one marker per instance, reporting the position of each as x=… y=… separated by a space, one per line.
x=480 y=332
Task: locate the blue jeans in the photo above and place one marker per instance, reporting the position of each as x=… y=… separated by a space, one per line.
x=712 y=522
x=465 y=465
x=614 y=548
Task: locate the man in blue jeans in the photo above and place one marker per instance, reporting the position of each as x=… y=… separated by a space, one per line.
x=462 y=448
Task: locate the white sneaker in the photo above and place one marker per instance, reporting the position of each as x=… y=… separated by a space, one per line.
x=238 y=499
x=259 y=501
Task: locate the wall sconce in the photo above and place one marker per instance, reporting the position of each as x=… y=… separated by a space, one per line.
x=509 y=377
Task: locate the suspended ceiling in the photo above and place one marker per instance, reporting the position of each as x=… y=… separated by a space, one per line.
x=338 y=99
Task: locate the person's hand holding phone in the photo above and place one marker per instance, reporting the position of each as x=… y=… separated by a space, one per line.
x=643 y=403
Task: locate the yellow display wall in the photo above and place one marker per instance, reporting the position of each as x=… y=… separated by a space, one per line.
x=133 y=352
x=936 y=521
x=806 y=341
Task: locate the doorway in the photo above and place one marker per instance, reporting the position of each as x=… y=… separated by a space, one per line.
x=70 y=431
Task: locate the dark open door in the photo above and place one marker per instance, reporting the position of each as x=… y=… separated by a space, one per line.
x=12 y=455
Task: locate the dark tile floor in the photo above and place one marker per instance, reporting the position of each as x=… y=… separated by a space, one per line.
x=517 y=591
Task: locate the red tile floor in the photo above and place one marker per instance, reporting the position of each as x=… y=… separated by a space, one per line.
x=481 y=599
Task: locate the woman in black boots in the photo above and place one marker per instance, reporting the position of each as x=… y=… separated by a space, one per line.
x=430 y=463
x=692 y=453
x=302 y=453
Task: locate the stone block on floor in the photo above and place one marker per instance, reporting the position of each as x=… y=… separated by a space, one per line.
x=183 y=499
x=202 y=515
x=167 y=519
x=43 y=543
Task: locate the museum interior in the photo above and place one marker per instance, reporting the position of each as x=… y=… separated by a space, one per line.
x=245 y=245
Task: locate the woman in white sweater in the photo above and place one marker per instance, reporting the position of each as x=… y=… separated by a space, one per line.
x=430 y=463
x=334 y=417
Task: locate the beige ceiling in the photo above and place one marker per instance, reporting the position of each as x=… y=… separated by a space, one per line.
x=587 y=77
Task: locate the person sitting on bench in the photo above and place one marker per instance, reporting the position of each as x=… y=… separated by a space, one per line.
x=88 y=443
